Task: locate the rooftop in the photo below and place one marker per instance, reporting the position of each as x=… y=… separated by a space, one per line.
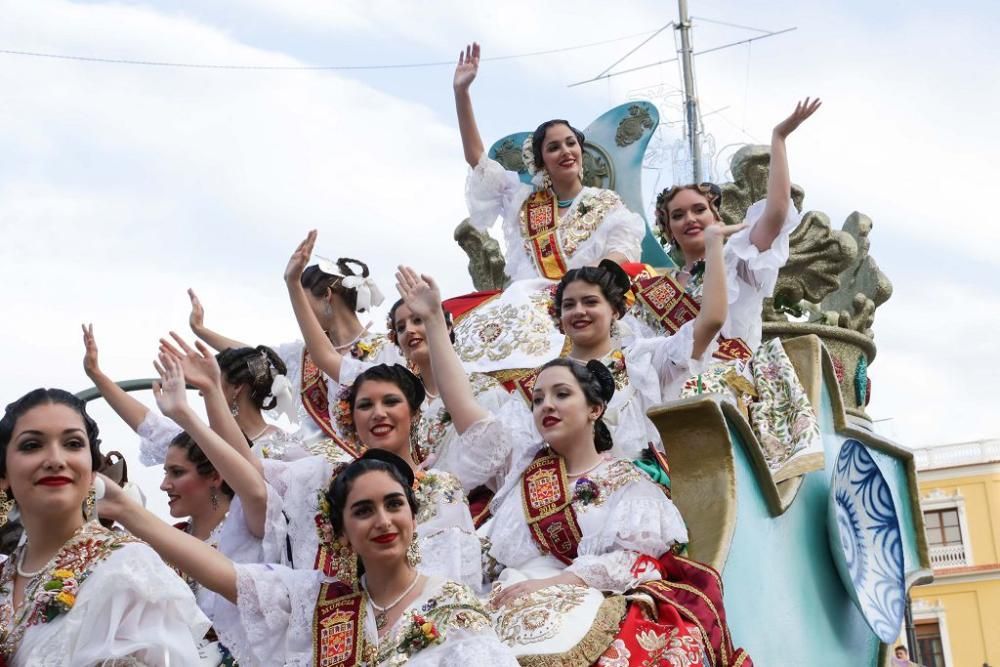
x=957 y=454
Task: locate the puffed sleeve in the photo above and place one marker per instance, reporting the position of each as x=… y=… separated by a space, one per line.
x=621 y=231
x=350 y=369
x=751 y=274
x=276 y=607
x=491 y=191
x=155 y=434
x=641 y=524
x=131 y=605
x=667 y=361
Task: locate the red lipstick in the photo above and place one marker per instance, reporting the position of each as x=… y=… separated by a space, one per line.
x=385 y=539
x=55 y=480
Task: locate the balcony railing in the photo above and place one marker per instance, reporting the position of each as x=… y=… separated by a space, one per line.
x=945 y=556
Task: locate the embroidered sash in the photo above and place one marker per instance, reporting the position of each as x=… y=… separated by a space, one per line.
x=547 y=506
x=42 y=602
x=667 y=301
x=732 y=349
x=316 y=401
x=539 y=220
x=338 y=626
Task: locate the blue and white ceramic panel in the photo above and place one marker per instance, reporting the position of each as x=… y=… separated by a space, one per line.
x=865 y=539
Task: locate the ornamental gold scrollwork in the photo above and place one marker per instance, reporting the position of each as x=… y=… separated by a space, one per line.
x=632 y=126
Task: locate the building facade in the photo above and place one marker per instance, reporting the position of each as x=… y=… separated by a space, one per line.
x=957 y=617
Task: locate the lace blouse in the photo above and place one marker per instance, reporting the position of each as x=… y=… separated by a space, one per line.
x=492 y=191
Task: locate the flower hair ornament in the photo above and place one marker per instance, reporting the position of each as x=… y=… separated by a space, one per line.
x=528 y=156
x=281 y=389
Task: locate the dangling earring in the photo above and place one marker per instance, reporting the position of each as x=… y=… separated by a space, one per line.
x=546 y=180
x=418 y=453
x=89 y=504
x=413 y=552
x=234 y=408
x=614 y=329
x=213 y=497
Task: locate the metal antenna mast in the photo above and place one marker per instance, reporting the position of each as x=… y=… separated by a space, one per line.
x=692 y=117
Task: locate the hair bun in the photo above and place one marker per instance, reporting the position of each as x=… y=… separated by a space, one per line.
x=388 y=457
x=618 y=274
x=604 y=378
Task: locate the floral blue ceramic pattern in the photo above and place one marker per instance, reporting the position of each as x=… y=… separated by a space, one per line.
x=865 y=539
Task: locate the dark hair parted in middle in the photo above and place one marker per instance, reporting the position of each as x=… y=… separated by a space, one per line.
x=538 y=138
x=598 y=386
x=42 y=396
x=393 y=333
x=254 y=367
x=201 y=463
x=610 y=277
x=408 y=383
x=318 y=281
x=371 y=461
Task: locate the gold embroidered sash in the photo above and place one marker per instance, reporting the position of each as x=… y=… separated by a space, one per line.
x=539 y=218
x=316 y=400
x=547 y=506
x=338 y=626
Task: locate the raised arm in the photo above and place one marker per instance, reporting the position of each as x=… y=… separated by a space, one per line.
x=215 y=340
x=422 y=297
x=128 y=408
x=201 y=370
x=779 y=183
x=238 y=473
x=189 y=554
x=714 y=299
x=465 y=74
x=320 y=348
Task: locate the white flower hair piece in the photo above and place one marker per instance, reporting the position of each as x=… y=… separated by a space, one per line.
x=281 y=389
x=528 y=156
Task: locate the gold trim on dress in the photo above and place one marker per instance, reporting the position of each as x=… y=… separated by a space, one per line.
x=602 y=632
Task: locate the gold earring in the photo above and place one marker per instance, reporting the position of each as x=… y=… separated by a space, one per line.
x=413 y=552
x=214 y=498
x=89 y=505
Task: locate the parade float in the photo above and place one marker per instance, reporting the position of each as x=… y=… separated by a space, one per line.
x=817 y=566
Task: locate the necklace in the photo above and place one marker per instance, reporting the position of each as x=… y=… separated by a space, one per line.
x=565 y=203
x=364 y=330
x=262 y=432
x=20 y=565
x=380 y=611
x=587 y=471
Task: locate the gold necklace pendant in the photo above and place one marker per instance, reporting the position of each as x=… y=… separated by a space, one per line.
x=380 y=620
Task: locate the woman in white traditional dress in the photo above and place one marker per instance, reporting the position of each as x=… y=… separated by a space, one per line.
x=780 y=413
x=556 y=225
x=381 y=411
x=435 y=430
x=253 y=380
x=648 y=371
x=336 y=293
x=573 y=527
x=75 y=594
x=394 y=615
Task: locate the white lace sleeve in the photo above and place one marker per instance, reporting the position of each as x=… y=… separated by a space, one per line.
x=466 y=647
x=641 y=520
x=350 y=369
x=447 y=540
x=276 y=607
x=621 y=231
x=752 y=274
x=155 y=433
x=132 y=605
x=491 y=191
x=669 y=358
x=489 y=450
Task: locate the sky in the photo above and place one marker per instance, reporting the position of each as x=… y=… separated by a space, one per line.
x=123 y=185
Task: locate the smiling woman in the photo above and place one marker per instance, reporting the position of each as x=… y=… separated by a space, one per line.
x=71 y=592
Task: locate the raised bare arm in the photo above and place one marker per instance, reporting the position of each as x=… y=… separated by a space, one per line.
x=465 y=74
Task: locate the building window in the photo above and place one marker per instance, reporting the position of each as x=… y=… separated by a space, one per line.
x=930 y=645
x=944 y=538
x=942 y=527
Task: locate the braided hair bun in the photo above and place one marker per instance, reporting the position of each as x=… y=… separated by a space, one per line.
x=603 y=376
